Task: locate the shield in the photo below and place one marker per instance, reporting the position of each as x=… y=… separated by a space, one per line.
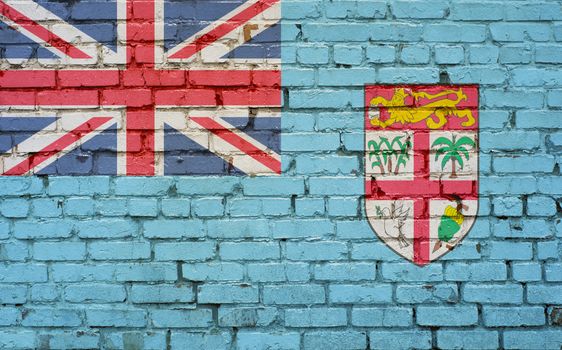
x=421 y=167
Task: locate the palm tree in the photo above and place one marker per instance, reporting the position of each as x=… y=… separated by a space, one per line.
x=402 y=156
x=452 y=150
x=377 y=150
x=384 y=151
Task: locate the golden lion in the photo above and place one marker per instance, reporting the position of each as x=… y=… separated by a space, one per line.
x=441 y=109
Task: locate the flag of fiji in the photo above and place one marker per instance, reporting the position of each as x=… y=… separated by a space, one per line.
x=140 y=87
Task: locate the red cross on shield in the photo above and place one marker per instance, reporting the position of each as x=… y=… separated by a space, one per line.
x=421 y=167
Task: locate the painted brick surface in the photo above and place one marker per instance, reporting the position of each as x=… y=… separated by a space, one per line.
x=289 y=261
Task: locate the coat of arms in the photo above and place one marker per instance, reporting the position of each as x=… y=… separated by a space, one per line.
x=421 y=167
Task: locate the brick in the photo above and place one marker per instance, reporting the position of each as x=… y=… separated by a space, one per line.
x=59 y=251
x=43 y=230
x=48 y=317
x=390 y=75
x=471 y=33
x=553 y=272
x=177 y=228
x=467 y=339
x=418 y=54
x=279 y=272
x=176 y=207
x=533 y=11
x=526 y=272
x=419 y=9
x=9 y=316
x=360 y=294
x=161 y=294
x=537 y=119
x=544 y=294
x=345 y=77
x=406 y=339
x=15 y=273
x=13 y=294
x=65 y=186
x=341 y=339
x=531 y=228
x=513 y=316
x=227 y=294
x=484 y=76
x=134 y=318
x=199 y=341
x=46 y=207
x=208 y=207
x=476 y=11
x=381 y=54
x=345 y=272
x=543 y=339
x=114 y=228
x=94 y=293
x=302 y=228
x=207 y=186
x=222 y=271
x=348 y=55
x=249 y=251
x=412 y=273
x=512 y=54
x=316 y=251
x=450 y=316
x=243 y=228
x=182 y=318
x=541 y=206
x=14 y=208
x=17 y=339
x=547 y=250
x=72 y=340
x=423 y=293
x=246 y=316
x=252 y=340
x=381 y=317
x=260 y=186
x=353 y=230
x=336 y=99
x=79 y=207
x=519 y=32
x=449 y=54
x=506 y=185
x=44 y=293
x=14 y=251
x=192 y=251
x=131 y=186
x=316 y=317
x=510 y=141
x=483 y=54
x=143 y=207
x=496 y=293
x=304 y=142
x=317 y=54
x=336 y=186
x=511 y=250
x=293 y=295
x=119 y=250
x=373 y=251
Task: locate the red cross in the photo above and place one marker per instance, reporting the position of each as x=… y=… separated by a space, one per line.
x=140 y=87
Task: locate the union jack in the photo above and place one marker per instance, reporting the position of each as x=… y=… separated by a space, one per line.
x=140 y=87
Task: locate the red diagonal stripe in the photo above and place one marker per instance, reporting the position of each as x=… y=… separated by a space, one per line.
x=238 y=142
x=228 y=26
x=41 y=32
x=57 y=146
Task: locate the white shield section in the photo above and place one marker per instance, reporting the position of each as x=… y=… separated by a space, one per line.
x=393 y=222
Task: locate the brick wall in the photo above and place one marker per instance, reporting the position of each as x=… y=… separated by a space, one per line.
x=290 y=262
